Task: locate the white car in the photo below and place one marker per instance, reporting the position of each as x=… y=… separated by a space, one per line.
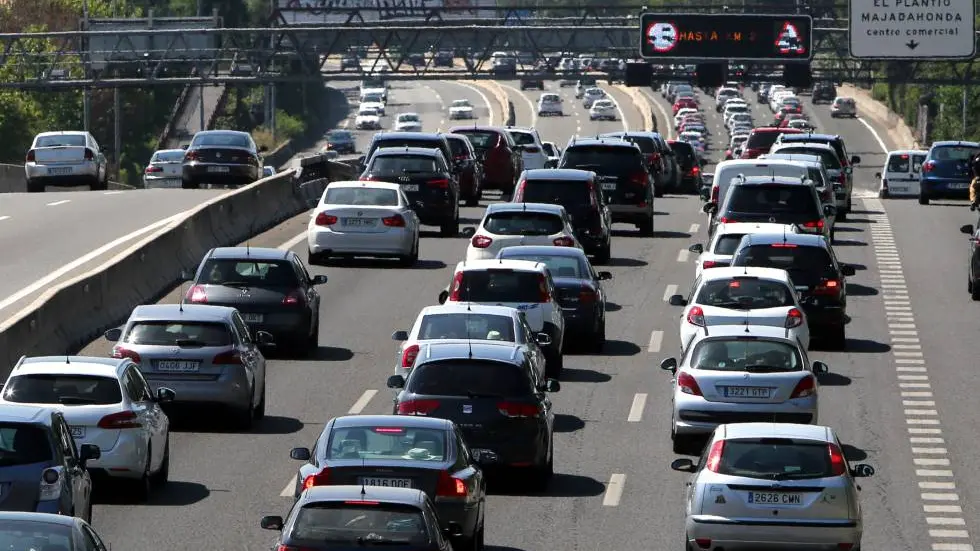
x=376 y=105
x=738 y=119
x=683 y=112
x=363 y=218
x=532 y=152
x=367 y=118
x=66 y=159
x=804 y=125
x=742 y=296
x=603 y=109
x=408 y=122
x=725 y=240
x=591 y=95
x=512 y=224
x=464 y=322
x=549 y=105
x=900 y=175
x=107 y=403
x=374 y=94
x=461 y=109
x=164 y=169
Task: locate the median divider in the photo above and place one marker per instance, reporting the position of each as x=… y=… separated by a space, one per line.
x=66 y=317
x=506 y=107
x=641 y=103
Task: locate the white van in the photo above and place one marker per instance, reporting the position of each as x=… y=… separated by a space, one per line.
x=900 y=175
x=726 y=171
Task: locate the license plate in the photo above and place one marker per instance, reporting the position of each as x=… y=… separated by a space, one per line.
x=410 y=187
x=358 y=222
x=386 y=482
x=776 y=498
x=609 y=186
x=253 y=318
x=77 y=432
x=219 y=169
x=178 y=366
x=958 y=186
x=61 y=171
x=746 y=392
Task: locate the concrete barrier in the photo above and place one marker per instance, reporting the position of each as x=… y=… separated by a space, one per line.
x=642 y=105
x=893 y=123
x=505 y=107
x=68 y=316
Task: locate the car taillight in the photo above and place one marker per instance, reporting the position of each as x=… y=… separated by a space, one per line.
x=814 y=224
x=294 y=298
x=123 y=352
x=191 y=156
x=417 y=407
x=639 y=179
x=838 y=466
x=227 y=358
x=715 y=190
x=463 y=157
x=151 y=169
x=794 y=318
x=368 y=178
x=708 y=264
x=695 y=170
x=688 y=385
x=806 y=387
x=324 y=219
x=440 y=183
x=928 y=166
x=321 y=478
x=592 y=195
x=481 y=241
x=409 y=355
x=519 y=191
x=197 y=294
x=89 y=154
x=30 y=156
x=695 y=316
x=564 y=241
x=450 y=486
x=122 y=420
x=829 y=287
x=714 y=456
x=395 y=221
x=725 y=220
x=456 y=287
x=518 y=410
x=545 y=295
x=586 y=295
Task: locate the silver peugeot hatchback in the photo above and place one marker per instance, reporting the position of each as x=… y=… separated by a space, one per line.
x=205 y=353
x=772 y=486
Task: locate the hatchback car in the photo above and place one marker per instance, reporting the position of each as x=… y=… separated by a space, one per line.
x=468 y=168
x=777 y=200
x=946 y=172
x=550 y=105
x=341 y=141
x=510 y=224
x=461 y=109
x=368 y=117
x=772 y=486
x=591 y=95
x=164 y=169
x=222 y=157
x=843 y=107
x=660 y=157
x=603 y=110
x=408 y=122
x=725 y=239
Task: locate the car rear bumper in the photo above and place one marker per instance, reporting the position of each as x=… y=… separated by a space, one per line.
x=581 y=321
x=283 y=325
x=824 y=316
x=125 y=459
x=765 y=534
x=54 y=173
x=225 y=390
x=221 y=172
x=630 y=213
x=465 y=514
x=394 y=242
x=944 y=188
x=695 y=415
x=165 y=182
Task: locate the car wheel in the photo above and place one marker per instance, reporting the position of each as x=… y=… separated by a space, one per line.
x=260 y=409
x=312 y=341
x=923 y=200
x=598 y=341
x=162 y=475
x=246 y=417
x=143 y=484
x=34 y=187
x=542 y=475
x=413 y=257
x=450 y=228
x=603 y=255
x=554 y=364
x=187 y=184
x=315 y=259
x=646 y=227
x=100 y=185
x=838 y=338
x=974 y=290
x=680 y=443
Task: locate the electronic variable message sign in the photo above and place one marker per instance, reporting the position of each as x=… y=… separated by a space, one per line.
x=726 y=36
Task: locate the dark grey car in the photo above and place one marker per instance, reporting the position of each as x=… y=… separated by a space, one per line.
x=48 y=532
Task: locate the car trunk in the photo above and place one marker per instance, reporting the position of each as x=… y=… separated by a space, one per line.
x=372 y=472
x=167 y=169
x=256 y=304
x=569 y=291
x=84 y=423
x=222 y=155
x=360 y=219
x=573 y=195
x=770 y=317
x=481 y=421
x=60 y=154
x=811 y=499
x=420 y=187
x=620 y=172
x=747 y=387
x=169 y=361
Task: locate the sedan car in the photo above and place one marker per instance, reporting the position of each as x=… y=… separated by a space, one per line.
x=270 y=287
x=580 y=291
x=65 y=159
x=740 y=373
x=222 y=157
x=603 y=109
x=341 y=141
x=368 y=118
x=401 y=451
x=461 y=109
x=772 y=486
x=408 y=122
x=352 y=517
x=363 y=219
x=164 y=169
x=550 y=105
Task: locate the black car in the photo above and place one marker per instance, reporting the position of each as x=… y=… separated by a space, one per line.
x=400 y=451
x=223 y=157
x=443 y=58
x=342 y=141
x=973 y=266
x=823 y=92
x=688 y=164
x=624 y=179
x=818 y=276
x=533 y=80
x=578 y=192
x=773 y=199
x=503 y=66
x=579 y=286
x=429 y=184
x=427 y=140
x=271 y=288
x=45 y=531
x=493 y=395
x=660 y=158
x=329 y=518
x=469 y=167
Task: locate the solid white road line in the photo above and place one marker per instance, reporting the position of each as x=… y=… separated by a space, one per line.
x=614 y=490
x=62 y=202
x=292 y=242
x=656 y=340
x=881 y=143
x=670 y=291
x=483 y=97
x=362 y=402
x=636 y=410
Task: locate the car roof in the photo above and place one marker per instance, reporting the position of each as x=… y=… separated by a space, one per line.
x=525 y=207
x=383 y=136
x=501 y=264
x=248 y=253
x=731 y=272
x=414 y=114
x=500 y=351
x=802 y=137
x=954 y=143
x=176 y=312
x=235 y=132
x=478 y=128
x=791 y=157
x=62 y=133
x=375 y=184
x=558 y=174
x=907 y=152
x=607 y=142
x=20 y=413
x=403 y=496
x=778 y=430
x=399 y=150
x=721 y=332
x=408 y=421
x=767 y=129
x=48 y=518
x=813 y=145
x=71 y=365
x=521 y=129
x=542 y=250
x=764 y=180
x=169 y=151
x=469 y=308
x=799 y=239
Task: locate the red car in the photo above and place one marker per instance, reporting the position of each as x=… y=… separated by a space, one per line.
x=684 y=102
x=500 y=156
x=761 y=139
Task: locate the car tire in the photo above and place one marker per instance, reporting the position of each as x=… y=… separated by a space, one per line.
x=541 y=476
x=144 y=484
x=603 y=254
x=598 y=340
x=473 y=543
x=412 y=258
x=313 y=339
x=245 y=418
x=680 y=443
x=923 y=200
x=838 y=338
x=100 y=185
x=450 y=228
x=162 y=475
x=260 y=409
x=187 y=184
x=316 y=259
x=34 y=187
x=554 y=364
x=974 y=289
x=646 y=227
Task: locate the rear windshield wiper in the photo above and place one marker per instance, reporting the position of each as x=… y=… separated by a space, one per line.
x=234 y=284
x=190 y=343
x=470 y=394
x=765 y=369
x=76 y=401
x=361 y=540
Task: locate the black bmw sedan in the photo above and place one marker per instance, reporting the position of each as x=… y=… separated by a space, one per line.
x=221 y=157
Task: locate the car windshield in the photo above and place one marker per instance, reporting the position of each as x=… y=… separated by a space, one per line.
x=350 y=524
x=373 y=442
x=480 y=140
x=953 y=153
x=745 y=293
x=28 y=535
x=602 y=160
x=468 y=377
x=221 y=139
x=566 y=193
x=361 y=196
x=775 y=459
x=558 y=265
x=806 y=265
x=827 y=156
x=408 y=118
x=168 y=157
x=461 y=103
x=249 y=273
x=749 y=354
x=23 y=444
x=523 y=223
x=373 y=97
x=501 y=286
x=170 y=333
x=774 y=199
x=395 y=164
x=62 y=389
x=60 y=140
x=467 y=325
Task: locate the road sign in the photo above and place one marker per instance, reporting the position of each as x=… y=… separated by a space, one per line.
x=696 y=36
x=912 y=29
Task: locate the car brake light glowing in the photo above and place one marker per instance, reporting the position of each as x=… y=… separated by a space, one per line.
x=695 y=316
x=688 y=385
x=450 y=486
x=814 y=224
x=321 y=478
x=586 y=295
x=121 y=420
x=294 y=298
x=545 y=294
x=783 y=245
x=735 y=284
x=192 y=156
x=714 y=456
x=695 y=170
x=928 y=166
x=638 y=179
x=838 y=465
x=368 y=178
x=417 y=407
x=794 y=318
x=481 y=241
x=395 y=221
x=230 y=357
x=324 y=219
x=197 y=294
x=123 y=352
x=518 y=410
x=708 y=264
x=592 y=194
x=30 y=156
x=564 y=241
x=409 y=355
x=456 y=288
x=903 y=157
x=715 y=190
x=389 y=430
x=805 y=388
x=725 y=220
x=828 y=287
x=151 y=169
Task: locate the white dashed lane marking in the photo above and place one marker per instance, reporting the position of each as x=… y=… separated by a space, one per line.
x=682 y=255
x=2 y=218
x=614 y=490
x=656 y=340
x=362 y=402
x=694 y=229
x=636 y=409
x=62 y=202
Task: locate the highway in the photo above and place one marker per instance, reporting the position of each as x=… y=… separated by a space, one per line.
x=614 y=490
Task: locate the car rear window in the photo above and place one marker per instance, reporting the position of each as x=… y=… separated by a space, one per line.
x=465 y=377
x=220 y=139
x=354 y=196
x=558 y=265
x=559 y=192
x=392 y=443
x=350 y=524
x=523 y=223
x=645 y=143
x=684 y=152
x=23 y=444
x=480 y=140
x=806 y=265
x=503 y=285
x=63 y=389
x=403 y=164
x=952 y=153
x=407 y=142
x=905 y=163
x=753 y=355
x=777 y=199
x=58 y=140
x=522 y=138
x=167 y=157
x=170 y=333
x=762 y=140
x=602 y=159
x=775 y=459
x=467 y=325
x=727 y=243
x=457 y=144
x=35 y=534
x=248 y=273
x=829 y=158
x=745 y=293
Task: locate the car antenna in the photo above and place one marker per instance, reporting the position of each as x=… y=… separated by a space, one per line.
x=68 y=356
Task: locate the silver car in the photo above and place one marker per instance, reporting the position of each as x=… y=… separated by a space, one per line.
x=740 y=373
x=66 y=159
x=772 y=486
x=205 y=353
x=165 y=169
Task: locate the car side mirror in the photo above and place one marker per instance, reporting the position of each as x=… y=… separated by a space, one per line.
x=443 y=297
x=361 y=160
x=396 y=381
x=467 y=232
x=683 y=464
x=271 y=523
x=862 y=470
x=855 y=160
x=829 y=210
x=847 y=270
x=878 y=175
x=484 y=457
x=186 y=275
x=820 y=367
x=114 y=335
x=319 y=279
x=709 y=208
x=966 y=228
x=300 y=454
x=605 y=276
x=696 y=248
x=453 y=530
x=165 y=395
x=264 y=338
x=400 y=336
x=552 y=385
x=669 y=364
x=88 y=452
x=677 y=300
x=542 y=339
